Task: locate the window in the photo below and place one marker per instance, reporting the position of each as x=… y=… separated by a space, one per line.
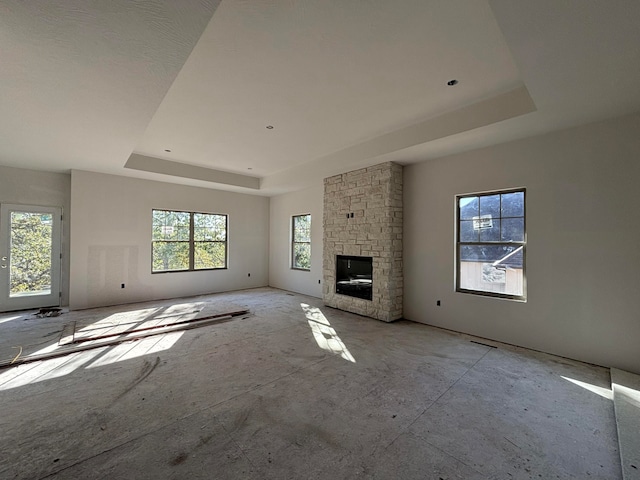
x=188 y=241
x=491 y=244
x=301 y=242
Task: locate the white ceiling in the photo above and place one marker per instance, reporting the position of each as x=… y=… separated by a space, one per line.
x=95 y=85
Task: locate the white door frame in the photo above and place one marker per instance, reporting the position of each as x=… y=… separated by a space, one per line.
x=22 y=302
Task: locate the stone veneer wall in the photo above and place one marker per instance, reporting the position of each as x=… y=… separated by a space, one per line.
x=374 y=196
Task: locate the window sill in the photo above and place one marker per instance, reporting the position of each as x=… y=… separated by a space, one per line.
x=499 y=296
x=187 y=271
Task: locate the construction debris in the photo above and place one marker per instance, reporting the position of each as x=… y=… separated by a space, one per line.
x=49 y=312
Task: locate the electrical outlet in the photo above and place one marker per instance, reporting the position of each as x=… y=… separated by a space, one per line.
x=122 y=285
x=438 y=303
x=248 y=274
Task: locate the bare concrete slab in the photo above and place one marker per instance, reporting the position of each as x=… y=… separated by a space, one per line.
x=299 y=390
x=626 y=400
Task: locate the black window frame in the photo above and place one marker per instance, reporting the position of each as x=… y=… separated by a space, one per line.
x=192 y=241
x=519 y=244
x=294 y=242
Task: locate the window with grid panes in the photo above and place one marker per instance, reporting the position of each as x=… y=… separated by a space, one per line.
x=491 y=244
x=184 y=241
x=301 y=242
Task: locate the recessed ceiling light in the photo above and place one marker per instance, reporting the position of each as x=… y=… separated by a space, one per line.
x=453 y=82
x=270 y=127
x=167 y=150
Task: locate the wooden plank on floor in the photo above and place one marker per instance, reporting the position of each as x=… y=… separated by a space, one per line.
x=151 y=326
x=102 y=342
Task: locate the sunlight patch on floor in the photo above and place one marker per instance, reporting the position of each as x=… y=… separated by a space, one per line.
x=144 y=346
x=131 y=333
x=603 y=392
x=34 y=372
x=8 y=319
x=324 y=334
x=125 y=322
x=29 y=373
x=116 y=322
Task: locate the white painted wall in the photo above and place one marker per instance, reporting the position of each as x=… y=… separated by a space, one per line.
x=111 y=240
x=30 y=187
x=583 y=250
x=283 y=207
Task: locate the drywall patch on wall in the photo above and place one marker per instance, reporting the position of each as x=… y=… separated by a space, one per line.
x=111 y=266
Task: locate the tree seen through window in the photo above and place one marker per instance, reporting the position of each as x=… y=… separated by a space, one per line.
x=301 y=242
x=188 y=241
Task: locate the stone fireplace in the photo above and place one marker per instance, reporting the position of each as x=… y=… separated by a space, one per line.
x=363 y=224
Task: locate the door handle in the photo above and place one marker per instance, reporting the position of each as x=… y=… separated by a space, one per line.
x=4 y=265
x=4 y=259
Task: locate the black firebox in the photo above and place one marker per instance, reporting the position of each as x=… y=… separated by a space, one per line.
x=354 y=276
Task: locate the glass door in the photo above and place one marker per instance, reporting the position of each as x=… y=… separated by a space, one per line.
x=29 y=257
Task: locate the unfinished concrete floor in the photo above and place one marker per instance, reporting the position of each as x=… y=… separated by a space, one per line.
x=297 y=390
